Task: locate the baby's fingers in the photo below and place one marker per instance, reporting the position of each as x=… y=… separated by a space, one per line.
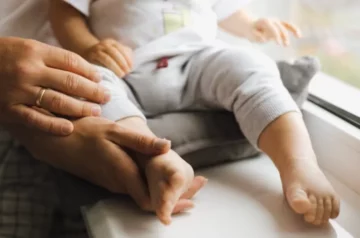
x=258 y=37
x=107 y=61
x=183 y=205
x=271 y=30
x=292 y=28
x=283 y=34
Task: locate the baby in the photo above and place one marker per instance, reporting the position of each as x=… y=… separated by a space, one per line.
x=166 y=57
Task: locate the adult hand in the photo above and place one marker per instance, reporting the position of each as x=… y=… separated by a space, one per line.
x=112 y=55
x=265 y=29
x=93 y=153
x=36 y=74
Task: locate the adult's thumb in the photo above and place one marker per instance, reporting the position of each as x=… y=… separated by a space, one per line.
x=145 y=144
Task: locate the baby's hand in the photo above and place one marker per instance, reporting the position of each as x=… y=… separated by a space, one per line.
x=265 y=30
x=112 y=55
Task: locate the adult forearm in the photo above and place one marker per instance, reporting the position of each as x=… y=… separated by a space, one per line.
x=70 y=27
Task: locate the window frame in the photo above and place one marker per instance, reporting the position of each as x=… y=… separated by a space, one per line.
x=321 y=93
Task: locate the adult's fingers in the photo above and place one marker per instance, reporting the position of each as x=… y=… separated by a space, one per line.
x=149 y=145
x=283 y=33
x=118 y=57
x=107 y=61
x=68 y=106
x=74 y=85
x=198 y=183
x=292 y=28
x=46 y=123
x=65 y=60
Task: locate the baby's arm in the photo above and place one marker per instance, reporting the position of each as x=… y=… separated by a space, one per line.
x=73 y=33
x=243 y=24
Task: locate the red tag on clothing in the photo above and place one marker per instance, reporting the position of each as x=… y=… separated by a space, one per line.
x=163 y=63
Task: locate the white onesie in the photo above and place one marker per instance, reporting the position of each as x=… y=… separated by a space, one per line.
x=154 y=28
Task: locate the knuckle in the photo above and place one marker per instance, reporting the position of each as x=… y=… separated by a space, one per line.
x=179 y=178
x=140 y=140
x=51 y=127
x=31 y=118
x=30 y=46
x=24 y=69
x=57 y=102
x=71 y=60
x=114 y=128
x=97 y=48
x=86 y=109
x=71 y=83
x=109 y=41
x=98 y=92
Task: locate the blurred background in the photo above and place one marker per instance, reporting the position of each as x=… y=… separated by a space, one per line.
x=331 y=31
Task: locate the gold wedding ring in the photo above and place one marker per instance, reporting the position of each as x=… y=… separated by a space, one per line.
x=40 y=97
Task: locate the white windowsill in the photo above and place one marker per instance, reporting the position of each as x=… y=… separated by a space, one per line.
x=337 y=144
x=336 y=92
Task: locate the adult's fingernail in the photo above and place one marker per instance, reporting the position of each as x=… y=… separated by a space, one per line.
x=96 y=110
x=107 y=96
x=97 y=77
x=161 y=144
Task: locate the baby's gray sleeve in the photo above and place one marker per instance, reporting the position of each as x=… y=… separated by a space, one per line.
x=119 y=106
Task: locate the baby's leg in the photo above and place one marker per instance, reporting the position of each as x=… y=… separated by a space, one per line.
x=248 y=83
x=168 y=176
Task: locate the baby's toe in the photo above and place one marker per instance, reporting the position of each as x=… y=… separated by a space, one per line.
x=298 y=200
x=310 y=216
x=335 y=207
x=327 y=209
x=319 y=212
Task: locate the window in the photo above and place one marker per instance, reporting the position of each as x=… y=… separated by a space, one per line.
x=332 y=33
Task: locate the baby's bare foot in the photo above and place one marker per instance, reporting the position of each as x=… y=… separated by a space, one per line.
x=168 y=176
x=308 y=192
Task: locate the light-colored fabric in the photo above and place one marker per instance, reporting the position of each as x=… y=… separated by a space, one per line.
x=157 y=28
x=241 y=200
x=240 y=80
x=122 y=104
x=26 y=19
x=225 y=8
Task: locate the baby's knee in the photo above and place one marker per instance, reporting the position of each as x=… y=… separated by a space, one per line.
x=248 y=62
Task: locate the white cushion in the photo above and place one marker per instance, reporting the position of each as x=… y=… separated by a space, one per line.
x=242 y=199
